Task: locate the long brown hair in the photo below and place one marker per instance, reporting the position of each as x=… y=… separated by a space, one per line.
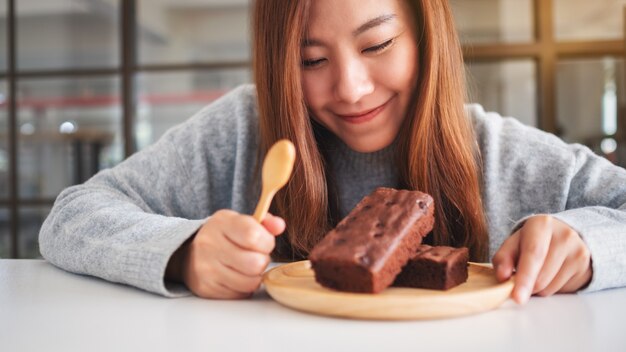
x=437 y=151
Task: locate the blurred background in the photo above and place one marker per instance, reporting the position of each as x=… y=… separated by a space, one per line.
x=86 y=83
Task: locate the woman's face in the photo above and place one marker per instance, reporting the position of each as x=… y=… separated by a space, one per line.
x=359 y=61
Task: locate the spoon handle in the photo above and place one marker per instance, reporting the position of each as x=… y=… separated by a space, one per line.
x=264 y=205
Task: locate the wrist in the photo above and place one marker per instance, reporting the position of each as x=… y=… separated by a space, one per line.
x=175 y=267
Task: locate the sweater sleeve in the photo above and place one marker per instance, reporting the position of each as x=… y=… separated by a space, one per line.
x=527 y=172
x=124 y=224
x=596 y=209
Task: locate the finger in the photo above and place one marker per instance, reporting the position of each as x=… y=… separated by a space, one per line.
x=573 y=261
x=504 y=260
x=206 y=277
x=564 y=275
x=535 y=238
x=274 y=224
x=552 y=266
x=213 y=290
x=577 y=282
x=219 y=291
x=580 y=260
x=243 y=261
x=236 y=281
x=246 y=233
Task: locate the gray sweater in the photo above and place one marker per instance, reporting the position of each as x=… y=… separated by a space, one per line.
x=124 y=224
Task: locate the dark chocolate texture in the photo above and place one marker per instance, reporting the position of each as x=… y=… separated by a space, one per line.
x=369 y=247
x=436 y=268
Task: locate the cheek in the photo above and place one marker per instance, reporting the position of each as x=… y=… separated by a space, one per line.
x=401 y=69
x=313 y=89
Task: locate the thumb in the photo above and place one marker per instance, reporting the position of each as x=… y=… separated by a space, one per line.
x=505 y=259
x=274 y=224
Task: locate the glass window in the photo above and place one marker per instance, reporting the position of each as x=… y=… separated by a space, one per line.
x=506 y=87
x=5 y=238
x=69 y=128
x=494 y=21
x=167 y=99
x=31 y=219
x=174 y=31
x=67 y=34
x=4 y=142
x=3 y=37
x=590 y=96
x=589 y=20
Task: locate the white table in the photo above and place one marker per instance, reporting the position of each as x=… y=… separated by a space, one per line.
x=43 y=308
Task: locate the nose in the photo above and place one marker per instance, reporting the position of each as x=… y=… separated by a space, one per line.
x=353 y=81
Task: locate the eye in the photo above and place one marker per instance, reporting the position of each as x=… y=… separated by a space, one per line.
x=312 y=63
x=380 y=47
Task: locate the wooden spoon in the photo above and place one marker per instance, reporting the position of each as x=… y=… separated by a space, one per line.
x=276 y=171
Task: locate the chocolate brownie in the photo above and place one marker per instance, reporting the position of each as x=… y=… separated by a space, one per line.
x=369 y=247
x=437 y=268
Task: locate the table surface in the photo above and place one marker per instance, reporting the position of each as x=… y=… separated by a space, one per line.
x=45 y=308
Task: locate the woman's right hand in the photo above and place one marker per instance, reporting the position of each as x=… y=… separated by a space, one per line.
x=228 y=255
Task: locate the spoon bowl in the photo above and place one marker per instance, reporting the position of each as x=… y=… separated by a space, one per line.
x=277 y=167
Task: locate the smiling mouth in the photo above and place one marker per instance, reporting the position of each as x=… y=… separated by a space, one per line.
x=364 y=116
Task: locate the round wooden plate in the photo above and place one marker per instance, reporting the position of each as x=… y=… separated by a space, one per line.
x=294 y=286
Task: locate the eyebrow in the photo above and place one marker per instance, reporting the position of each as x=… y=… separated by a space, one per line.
x=373 y=23
x=362 y=28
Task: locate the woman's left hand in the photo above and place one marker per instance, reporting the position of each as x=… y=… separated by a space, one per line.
x=547 y=257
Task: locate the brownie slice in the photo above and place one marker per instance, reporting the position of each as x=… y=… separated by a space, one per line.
x=436 y=268
x=369 y=247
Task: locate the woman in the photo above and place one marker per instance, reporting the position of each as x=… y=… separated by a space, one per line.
x=371 y=96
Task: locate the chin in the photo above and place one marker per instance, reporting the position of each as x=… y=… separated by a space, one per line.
x=368 y=147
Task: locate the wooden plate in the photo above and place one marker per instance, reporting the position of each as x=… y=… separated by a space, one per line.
x=294 y=286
